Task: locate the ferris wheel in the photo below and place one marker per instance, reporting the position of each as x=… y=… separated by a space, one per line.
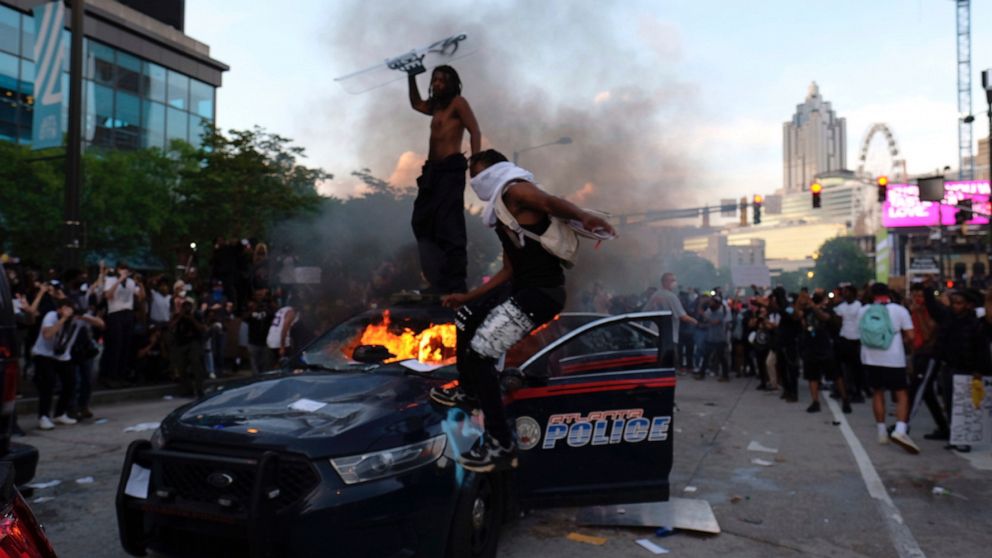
x=880 y=158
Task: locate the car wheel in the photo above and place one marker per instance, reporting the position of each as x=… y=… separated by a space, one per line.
x=478 y=518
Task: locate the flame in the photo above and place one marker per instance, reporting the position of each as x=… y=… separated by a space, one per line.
x=546 y=325
x=432 y=345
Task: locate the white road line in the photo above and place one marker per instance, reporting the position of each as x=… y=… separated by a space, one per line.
x=902 y=537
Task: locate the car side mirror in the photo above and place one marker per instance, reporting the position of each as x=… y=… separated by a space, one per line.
x=512 y=379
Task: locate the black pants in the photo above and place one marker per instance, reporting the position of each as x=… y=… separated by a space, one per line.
x=188 y=361
x=717 y=350
x=486 y=329
x=439 y=224
x=117 y=344
x=687 y=348
x=787 y=362
x=849 y=357
x=46 y=371
x=759 y=360
x=920 y=363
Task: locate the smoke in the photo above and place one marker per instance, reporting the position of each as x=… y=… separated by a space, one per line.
x=593 y=71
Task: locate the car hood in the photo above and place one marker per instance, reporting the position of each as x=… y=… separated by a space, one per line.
x=317 y=414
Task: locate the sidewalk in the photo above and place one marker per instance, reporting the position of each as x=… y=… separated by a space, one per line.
x=27 y=403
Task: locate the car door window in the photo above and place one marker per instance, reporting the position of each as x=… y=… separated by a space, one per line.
x=611 y=347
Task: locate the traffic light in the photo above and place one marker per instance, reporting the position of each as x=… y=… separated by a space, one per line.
x=963 y=214
x=815 y=189
x=756 y=206
x=883 y=183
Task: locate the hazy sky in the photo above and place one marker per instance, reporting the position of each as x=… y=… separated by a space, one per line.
x=671 y=102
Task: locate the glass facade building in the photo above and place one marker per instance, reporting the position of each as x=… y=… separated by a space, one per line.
x=129 y=101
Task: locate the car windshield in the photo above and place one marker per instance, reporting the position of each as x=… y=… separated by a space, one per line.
x=426 y=335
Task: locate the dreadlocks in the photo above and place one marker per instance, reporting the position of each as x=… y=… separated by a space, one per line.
x=435 y=99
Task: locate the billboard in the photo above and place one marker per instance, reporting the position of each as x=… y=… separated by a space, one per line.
x=903 y=207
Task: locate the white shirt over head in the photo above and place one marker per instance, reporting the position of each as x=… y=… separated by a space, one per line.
x=46 y=347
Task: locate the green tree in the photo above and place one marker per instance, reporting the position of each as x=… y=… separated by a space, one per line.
x=31 y=194
x=243 y=183
x=840 y=261
x=695 y=271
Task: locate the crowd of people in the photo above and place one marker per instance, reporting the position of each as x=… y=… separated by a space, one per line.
x=121 y=328
x=862 y=342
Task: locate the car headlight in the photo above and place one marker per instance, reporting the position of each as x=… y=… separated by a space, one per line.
x=370 y=466
x=158 y=439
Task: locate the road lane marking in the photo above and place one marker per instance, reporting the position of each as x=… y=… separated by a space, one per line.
x=902 y=537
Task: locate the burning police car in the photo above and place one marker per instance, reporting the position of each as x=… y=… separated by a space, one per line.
x=343 y=455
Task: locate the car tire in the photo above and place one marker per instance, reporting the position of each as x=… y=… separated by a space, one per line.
x=478 y=518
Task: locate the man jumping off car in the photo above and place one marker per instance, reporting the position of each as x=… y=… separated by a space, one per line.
x=526 y=293
x=439 y=210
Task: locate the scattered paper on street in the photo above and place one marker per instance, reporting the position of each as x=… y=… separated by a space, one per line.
x=588 y=539
x=650 y=546
x=762 y=462
x=85 y=480
x=40 y=485
x=142 y=427
x=758 y=446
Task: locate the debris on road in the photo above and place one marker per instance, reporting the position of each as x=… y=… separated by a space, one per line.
x=42 y=499
x=684 y=514
x=49 y=484
x=651 y=547
x=735 y=498
x=168 y=397
x=142 y=427
x=762 y=462
x=101 y=421
x=663 y=532
x=85 y=480
x=758 y=446
x=941 y=491
x=689 y=489
x=588 y=539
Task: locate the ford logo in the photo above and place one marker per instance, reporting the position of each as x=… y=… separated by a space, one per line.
x=220 y=480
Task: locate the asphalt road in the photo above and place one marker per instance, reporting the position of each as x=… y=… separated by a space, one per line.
x=813 y=499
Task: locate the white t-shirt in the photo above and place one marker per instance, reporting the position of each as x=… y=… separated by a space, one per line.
x=275 y=330
x=849 y=314
x=46 y=347
x=895 y=355
x=123 y=298
x=161 y=307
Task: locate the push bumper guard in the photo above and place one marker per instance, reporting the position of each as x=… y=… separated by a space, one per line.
x=233 y=498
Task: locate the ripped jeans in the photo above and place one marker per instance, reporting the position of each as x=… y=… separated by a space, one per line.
x=487 y=328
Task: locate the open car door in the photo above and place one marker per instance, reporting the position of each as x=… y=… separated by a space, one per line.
x=594 y=415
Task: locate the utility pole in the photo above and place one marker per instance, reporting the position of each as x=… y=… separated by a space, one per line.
x=72 y=226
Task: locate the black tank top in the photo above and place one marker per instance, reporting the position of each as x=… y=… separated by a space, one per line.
x=533 y=266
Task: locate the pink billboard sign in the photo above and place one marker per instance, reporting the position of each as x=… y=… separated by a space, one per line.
x=903 y=207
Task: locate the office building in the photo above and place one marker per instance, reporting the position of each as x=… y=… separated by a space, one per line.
x=814 y=141
x=145 y=81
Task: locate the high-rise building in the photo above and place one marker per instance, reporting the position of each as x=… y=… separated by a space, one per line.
x=814 y=142
x=144 y=81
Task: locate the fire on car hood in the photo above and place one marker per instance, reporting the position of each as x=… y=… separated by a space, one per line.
x=317 y=414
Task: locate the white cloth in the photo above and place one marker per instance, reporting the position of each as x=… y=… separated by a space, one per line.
x=849 y=314
x=667 y=300
x=895 y=355
x=161 y=307
x=489 y=184
x=274 y=338
x=123 y=298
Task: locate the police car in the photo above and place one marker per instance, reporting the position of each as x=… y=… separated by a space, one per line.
x=341 y=453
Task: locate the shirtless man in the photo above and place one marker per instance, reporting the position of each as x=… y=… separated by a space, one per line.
x=526 y=293
x=439 y=210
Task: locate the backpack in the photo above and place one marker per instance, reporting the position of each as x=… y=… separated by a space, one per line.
x=561 y=239
x=876 y=327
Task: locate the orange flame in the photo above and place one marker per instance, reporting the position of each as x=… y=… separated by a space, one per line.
x=433 y=345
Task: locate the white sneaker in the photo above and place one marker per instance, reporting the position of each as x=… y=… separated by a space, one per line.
x=883 y=437
x=65 y=419
x=45 y=423
x=906 y=442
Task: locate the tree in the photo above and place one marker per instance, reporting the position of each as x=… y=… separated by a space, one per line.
x=31 y=194
x=695 y=271
x=840 y=261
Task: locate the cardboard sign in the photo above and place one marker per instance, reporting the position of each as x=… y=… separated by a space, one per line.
x=971 y=416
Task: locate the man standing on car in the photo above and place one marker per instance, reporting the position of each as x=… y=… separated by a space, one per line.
x=527 y=292
x=439 y=210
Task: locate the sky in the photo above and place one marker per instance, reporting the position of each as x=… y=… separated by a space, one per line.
x=668 y=103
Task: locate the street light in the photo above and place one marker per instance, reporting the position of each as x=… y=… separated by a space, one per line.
x=564 y=140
